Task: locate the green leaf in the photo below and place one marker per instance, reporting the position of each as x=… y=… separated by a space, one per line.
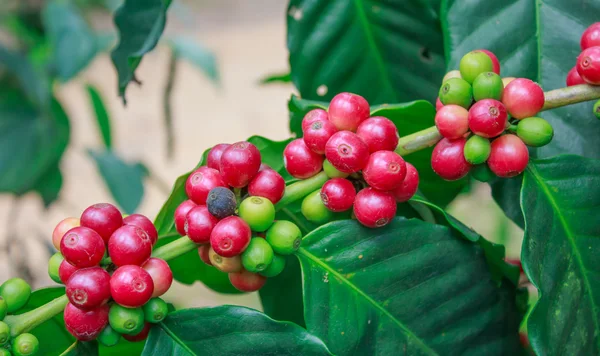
x=195 y=53
x=282 y=78
x=560 y=200
x=102 y=118
x=385 y=51
x=140 y=24
x=49 y=187
x=410 y=287
x=281 y=296
x=229 y=330
x=33 y=81
x=124 y=180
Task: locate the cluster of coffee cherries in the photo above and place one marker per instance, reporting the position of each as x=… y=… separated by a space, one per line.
x=357 y=154
x=111 y=280
x=230 y=214
x=14 y=295
x=487 y=121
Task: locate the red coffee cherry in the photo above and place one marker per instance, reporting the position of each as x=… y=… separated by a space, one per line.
x=487 y=118
x=129 y=245
x=143 y=223
x=523 y=98
x=374 y=208
x=347 y=152
x=203 y=253
x=213 y=160
x=409 y=187
x=379 y=133
x=199 y=224
x=239 y=164
x=591 y=36
x=61 y=229
x=588 y=65
x=385 y=170
x=452 y=121
x=230 y=237
x=317 y=134
x=509 y=156
x=313 y=115
x=438 y=104
x=65 y=271
x=85 y=325
x=82 y=247
x=143 y=335
x=494 y=59
x=573 y=77
x=300 y=161
x=247 y=281
x=267 y=184
x=161 y=275
x=103 y=218
x=347 y=111
x=338 y=194
x=448 y=159
x=200 y=182
x=131 y=286
x=88 y=288
x=180 y=215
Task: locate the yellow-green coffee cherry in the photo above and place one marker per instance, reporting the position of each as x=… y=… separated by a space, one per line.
x=477 y=149
x=535 y=131
x=488 y=85
x=456 y=91
x=474 y=63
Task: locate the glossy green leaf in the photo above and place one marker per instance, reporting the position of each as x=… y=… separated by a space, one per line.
x=385 y=51
x=33 y=81
x=102 y=118
x=411 y=288
x=560 y=200
x=195 y=53
x=49 y=187
x=229 y=330
x=281 y=296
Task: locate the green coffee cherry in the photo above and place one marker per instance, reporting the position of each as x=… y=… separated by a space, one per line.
x=109 y=337
x=155 y=310
x=258 y=212
x=597 y=109
x=258 y=255
x=451 y=74
x=284 y=237
x=314 y=210
x=3 y=308
x=474 y=63
x=276 y=266
x=482 y=173
x=16 y=293
x=332 y=172
x=4 y=352
x=477 y=149
x=128 y=321
x=53 y=265
x=456 y=91
x=25 y=345
x=4 y=333
x=488 y=85
x=535 y=131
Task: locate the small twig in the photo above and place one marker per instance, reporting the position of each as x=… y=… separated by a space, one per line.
x=167 y=104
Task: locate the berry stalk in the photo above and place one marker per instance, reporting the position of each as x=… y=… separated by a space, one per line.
x=27 y=321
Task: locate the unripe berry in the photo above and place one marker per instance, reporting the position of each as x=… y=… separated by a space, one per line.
x=488 y=118
x=3 y=308
x=200 y=224
x=523 y=98
x=374 y=208
x=239 y=164
x=300 y=161
x=230 y=237
x=317 y=135
x=456 y=91
x=385 y=170
x=482 y=173
x=61 y=229
x=225 y=264
x=129 y=245
x=312 y=116
x=474 y=63
x=16 y=293
x=65 y=271
x=573 y=77
x=181 y=214
x=128 y=321
x=109 y=337
x=258 y=255
x=379 y=133
x=258 y=212
x=246 y=281
x=155 y=310
x=268 y=184
x=284 y=237
x=201 y=182
x=161 y=274
x=88 y=288
x=438 y=104
x=25 y=345
x=332 y=172
x=276 y=266
x=203 y=253
x=451 y=74
x=591 y=36
x=131 y=286
x=85 y=325
x=509 y=156
x=535 y=131
x=488 y=85
x=347 y=152
x=338 y=194
x=141 y=336
x=213 y=160
x=452 y=121
x=448 y=159
x=143 y=223
x=495 y=62
x=4 y=333
x=82 y=247
x=409 y=186
x=477 y=149
x=103 y=218
x=596 y=109
x=314 y=210
x=53 y=267
x=588 y=65
x=347 y=111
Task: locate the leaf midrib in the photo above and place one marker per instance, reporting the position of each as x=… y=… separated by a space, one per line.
x=405 y=329
x=176 y=338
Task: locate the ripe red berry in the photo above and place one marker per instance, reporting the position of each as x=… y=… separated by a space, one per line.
x=131 y=286
x=494 y=59
x=591 y=36
x=347 y=111
x=379 y=133
x=448 y=159
x=199 y=224
x=88 y=288
x=65 y=271
x=300 y=161
x=338 y=194
x=213 y=160
x=523 y=98
x=347 y=152
x=181 y=214
x=409 y=186
x=103 y=218
x=203 y=253
x=385 y=170
x=313 y=115
x=129 y=245
x=239 y=164
x=230 y=237
x=82 y=247
x=143 y=223
x=247 y=281
x=588 y=65
x=438 y=104
x=374 y=208
x=85 y=325
x=452 y=121
x=61 y=229
x=200 y=182
x=141 y=336
x=487 y=118
x=317 y=134
x=573 y=77
x=267 y=184
x=161 y=275
x=509 y=156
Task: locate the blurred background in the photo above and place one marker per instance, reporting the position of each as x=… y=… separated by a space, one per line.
x=202 y=85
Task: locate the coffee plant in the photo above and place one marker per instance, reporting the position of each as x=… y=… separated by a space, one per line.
x=342 y=228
